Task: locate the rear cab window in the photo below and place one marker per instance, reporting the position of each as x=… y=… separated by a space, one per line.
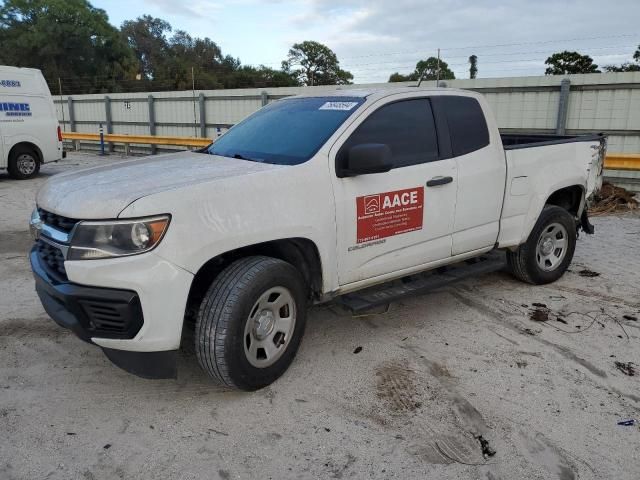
x=466 y=122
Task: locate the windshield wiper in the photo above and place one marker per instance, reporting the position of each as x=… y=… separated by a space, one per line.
x=242 y=157
x=239 y=156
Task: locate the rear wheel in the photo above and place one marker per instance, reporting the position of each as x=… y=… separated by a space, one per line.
x=23 y=163
x=548 y=251
x=251 y=322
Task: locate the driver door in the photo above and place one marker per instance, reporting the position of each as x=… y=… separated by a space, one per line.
x=403 y=218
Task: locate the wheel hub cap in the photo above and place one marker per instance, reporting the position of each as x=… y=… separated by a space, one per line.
x=547 y=246
x=552 y=247
x=270 y=326
x=26 y=164
x=264 y=323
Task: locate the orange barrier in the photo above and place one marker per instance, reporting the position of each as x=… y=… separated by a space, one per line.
x=137 y=139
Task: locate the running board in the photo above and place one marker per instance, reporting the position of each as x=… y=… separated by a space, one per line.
x=386 y=293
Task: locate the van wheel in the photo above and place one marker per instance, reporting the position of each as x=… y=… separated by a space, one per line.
x=548 y=251
x=251 y=321
x=23 y=163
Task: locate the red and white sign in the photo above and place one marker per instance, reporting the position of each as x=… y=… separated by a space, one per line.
x=390 y=213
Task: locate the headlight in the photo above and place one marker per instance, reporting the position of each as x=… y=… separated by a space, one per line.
x=116 y=238
x=35 y=224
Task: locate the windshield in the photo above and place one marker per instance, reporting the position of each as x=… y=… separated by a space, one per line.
x=287 y=132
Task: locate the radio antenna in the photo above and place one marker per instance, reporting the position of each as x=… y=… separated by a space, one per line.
x=421 y=77
x=437 y=73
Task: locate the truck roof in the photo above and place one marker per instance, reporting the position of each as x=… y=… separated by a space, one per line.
x=379 y=92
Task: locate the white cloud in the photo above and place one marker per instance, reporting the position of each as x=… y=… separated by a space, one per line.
x=376 y=37
x=197 y=9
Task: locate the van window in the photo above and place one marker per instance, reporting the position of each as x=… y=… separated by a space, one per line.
x=407 y=127
x=467 y=125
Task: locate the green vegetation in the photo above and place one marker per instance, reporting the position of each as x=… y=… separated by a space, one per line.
x=428 y=69
x=72 y=41
x=566 y=62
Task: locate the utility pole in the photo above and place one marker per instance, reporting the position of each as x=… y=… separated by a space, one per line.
x=64 y=128
x=438 y=71
x=193 y=91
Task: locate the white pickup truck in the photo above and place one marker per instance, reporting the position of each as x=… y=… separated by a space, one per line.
x=308 y=199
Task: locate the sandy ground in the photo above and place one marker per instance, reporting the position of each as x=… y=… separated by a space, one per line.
x=433 y=373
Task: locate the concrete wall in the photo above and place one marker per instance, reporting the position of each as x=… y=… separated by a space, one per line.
x=607 y=103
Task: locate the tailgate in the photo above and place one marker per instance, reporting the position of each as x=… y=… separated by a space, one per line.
x=596 y=165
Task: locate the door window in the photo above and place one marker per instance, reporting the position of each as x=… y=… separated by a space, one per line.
x=407 y=127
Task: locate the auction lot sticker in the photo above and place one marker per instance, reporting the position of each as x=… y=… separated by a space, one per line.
x=390 y=213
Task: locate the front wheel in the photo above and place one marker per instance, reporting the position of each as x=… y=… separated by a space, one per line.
x=251 y=322
x=548 y=251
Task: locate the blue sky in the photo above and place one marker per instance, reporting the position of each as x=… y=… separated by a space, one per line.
x=375 y=38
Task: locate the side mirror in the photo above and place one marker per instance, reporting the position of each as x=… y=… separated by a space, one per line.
x=364 y=159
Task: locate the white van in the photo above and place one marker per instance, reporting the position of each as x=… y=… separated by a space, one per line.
x=29 y=130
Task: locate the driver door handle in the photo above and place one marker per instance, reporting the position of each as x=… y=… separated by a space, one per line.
x=435 y=181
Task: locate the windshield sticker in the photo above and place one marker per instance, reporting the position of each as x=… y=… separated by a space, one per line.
x=338 y=106
x=390 y=213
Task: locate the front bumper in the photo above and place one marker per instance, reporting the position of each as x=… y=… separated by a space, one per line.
x=88 y=311
x=111 y=317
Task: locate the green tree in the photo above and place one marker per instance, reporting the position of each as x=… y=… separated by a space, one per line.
x=473 y=66
x=313 y=63
x=564 y=63
x=147 y=37
x=202 y=55
x=249 y=76
x=429 y=69
x=398 y=77
x=68 y=39
x=626 y=66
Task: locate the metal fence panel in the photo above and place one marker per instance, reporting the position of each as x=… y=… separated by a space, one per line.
x=608 y=102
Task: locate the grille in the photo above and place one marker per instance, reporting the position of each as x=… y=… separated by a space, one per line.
x=52 y=259
x=113 y=318
x=57 y=221
x=104 y=317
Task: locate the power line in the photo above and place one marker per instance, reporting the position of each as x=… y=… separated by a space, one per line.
x=481 y=55
x=445 y=49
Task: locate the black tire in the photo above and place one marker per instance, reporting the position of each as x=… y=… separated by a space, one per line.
x=224 y=315
x=17 y=168
x=524 y=262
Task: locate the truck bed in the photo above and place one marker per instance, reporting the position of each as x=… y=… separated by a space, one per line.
x=538 y=165
x=512 y=141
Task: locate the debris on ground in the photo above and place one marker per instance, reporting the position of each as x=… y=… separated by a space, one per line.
x=561 y=320
x=487 y=451
x=357 y=350
x=630 y=317
x=588 y=273
x=612 y=199
x=539 y=305
x=626 y=368
x=539 y=314
x=627 y=423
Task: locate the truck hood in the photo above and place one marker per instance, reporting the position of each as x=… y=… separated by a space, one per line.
x=103 y=192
